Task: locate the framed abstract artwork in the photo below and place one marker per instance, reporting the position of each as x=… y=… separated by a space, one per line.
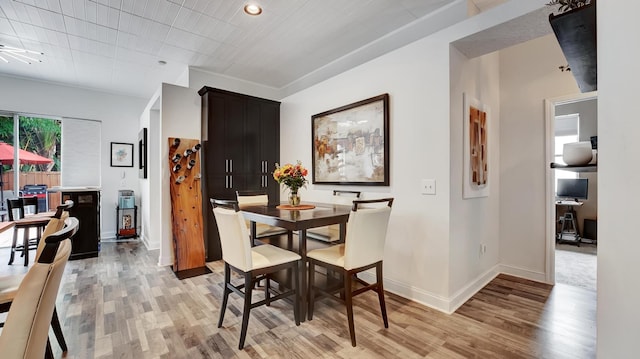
x=121 y=154
x=476 y=146
x=350 y=144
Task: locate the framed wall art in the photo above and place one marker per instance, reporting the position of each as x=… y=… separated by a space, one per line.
x=476 y=149
x=351 y=144
x=121 y=154
x=142 y=153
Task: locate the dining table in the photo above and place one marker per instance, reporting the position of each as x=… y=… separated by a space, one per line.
x=310 y=215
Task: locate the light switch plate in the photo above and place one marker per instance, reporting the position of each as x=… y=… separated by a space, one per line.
x=428 y=186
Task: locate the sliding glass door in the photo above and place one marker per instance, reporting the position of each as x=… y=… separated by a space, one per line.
x=35 y=142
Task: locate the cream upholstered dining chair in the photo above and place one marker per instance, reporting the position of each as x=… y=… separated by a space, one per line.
x=258 y=198
x=26 y=330
x=363 y=249
x=332 y=233
x=9 y=284
x=252 y=263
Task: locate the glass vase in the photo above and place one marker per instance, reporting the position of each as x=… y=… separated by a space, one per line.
x=294 y=199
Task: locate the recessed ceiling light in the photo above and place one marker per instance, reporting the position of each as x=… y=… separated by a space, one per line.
x=253 y=9
x=18 y=54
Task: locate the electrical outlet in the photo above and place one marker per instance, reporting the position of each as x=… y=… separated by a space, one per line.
x=428 y=186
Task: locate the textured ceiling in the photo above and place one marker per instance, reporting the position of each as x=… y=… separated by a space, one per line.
x=115 y=45
x=521 y=29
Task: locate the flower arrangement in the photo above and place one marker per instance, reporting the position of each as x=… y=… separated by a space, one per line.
x=291 y=176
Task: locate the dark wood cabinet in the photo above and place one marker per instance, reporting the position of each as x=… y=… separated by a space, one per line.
x=240 y=147
x=86 y=207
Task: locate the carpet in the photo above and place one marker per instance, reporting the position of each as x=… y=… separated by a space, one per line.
x=577 y=266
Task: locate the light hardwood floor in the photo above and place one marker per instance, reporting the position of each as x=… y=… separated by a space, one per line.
x=122 y=305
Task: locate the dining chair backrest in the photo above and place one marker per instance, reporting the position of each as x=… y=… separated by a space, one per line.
x=366 y=232
x=345 y=197
x=234 y=235
x=252 y=198
x=15 y=210
x=54 y=225
x=30 y=205
x=26 y=329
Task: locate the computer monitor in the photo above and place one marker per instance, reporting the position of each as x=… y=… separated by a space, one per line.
x=573 y=188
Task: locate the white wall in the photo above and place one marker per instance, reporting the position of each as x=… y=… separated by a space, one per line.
x=199 y=78
x=119 y=116
x=150 y=204
x=474 y=221
x=528 y=74
x=417 y=255
x=618 y=129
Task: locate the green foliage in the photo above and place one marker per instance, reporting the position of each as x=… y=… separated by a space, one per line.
x=38 y=135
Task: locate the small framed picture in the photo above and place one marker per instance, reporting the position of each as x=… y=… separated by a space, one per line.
x=121 y=154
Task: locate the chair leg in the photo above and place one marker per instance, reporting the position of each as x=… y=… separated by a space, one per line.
x=13 y=245
x=311 y=292
x=248 y=288
x=48 y=354
x=25 y=246
x=380 y=290
x=225 y=294
x=348 y=301
x=267 y=288
x=296 y=295
x=57 y=330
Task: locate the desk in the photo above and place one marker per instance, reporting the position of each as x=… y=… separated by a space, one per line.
x=300 y=220
x=569 y=217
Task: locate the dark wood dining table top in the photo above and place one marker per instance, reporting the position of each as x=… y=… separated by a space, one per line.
x=323 y=214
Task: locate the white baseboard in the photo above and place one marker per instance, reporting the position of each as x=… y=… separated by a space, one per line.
x=165 y=261
x=464 y=294
x=522 y=273
x=417 y=295
x=148 y=244
x=450 y=305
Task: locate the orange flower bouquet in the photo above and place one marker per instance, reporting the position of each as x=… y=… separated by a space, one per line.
x=292 y=177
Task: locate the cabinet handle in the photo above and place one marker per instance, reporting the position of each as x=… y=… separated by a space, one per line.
x=231 y=166
x=226 y=181
x=230 y=181
x=226 y=166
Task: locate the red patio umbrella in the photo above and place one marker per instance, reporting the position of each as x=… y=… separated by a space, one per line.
x=25 y=158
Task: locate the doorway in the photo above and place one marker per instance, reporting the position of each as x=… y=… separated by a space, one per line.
x=572 y=238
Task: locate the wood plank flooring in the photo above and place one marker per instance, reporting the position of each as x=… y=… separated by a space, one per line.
x=122 y=305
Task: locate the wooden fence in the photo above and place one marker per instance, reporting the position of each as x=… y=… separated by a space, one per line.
x=50 y=179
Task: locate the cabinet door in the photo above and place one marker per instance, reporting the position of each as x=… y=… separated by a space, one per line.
x=253 y=147
x=216 y=156
x=235 y=117
x=270 y=147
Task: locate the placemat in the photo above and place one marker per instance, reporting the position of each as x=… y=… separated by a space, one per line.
x=294 y=208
